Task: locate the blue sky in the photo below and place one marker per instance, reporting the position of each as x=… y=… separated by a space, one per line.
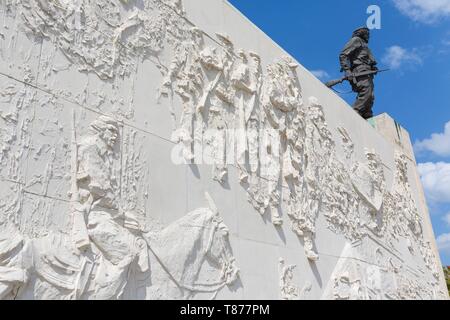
x=414 y=41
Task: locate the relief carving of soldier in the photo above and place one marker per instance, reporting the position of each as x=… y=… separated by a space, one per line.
x=245 y=86
x=98 y=188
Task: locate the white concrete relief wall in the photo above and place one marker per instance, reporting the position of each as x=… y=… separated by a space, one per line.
x=161 y=149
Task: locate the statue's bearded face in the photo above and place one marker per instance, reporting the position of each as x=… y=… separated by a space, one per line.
x=366 y=36
x=110 y=136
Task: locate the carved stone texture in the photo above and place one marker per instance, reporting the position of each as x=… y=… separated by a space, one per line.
x=16 y=114
x=289 y=291
x=368 y=271
x=104 y=37
x=107 y=252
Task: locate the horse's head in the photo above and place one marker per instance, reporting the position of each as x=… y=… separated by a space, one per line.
x=219 y=251
x=195 y=251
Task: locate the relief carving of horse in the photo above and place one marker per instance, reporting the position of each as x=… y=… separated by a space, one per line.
x=190 y=256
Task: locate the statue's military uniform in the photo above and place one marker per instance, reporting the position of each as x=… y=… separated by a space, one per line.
x=356 y=57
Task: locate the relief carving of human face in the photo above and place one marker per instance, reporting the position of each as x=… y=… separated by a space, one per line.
x=110 y=136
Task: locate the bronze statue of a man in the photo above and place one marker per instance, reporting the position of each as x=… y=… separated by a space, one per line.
x=356 y=57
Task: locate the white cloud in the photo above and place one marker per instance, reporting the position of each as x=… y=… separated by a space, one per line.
x=321 y=74
x=446 y=218
x=436 y=181
x=396 y=57
x=438 y=143
x=443 y=242
x=427 y=11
